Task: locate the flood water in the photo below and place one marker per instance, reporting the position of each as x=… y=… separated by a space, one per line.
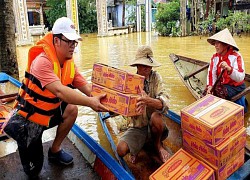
x=118 y=51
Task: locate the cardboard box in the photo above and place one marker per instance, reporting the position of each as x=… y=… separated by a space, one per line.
x=182 y=165
x=225 y=171
x=100 y=74
x=216 y=155
x=124 y=104
x=212 y=119
x=117 y=79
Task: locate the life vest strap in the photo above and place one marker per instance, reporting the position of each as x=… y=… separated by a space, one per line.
x=31 y=109
x=38 y=96
x=34 y=80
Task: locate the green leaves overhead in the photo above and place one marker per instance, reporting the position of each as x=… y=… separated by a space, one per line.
x=86 y=14
x=166 y=17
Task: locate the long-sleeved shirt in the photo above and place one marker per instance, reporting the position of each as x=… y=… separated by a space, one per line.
x=235 y=77
x=154 y=88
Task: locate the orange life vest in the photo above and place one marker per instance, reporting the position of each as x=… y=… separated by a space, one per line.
x=35 y=102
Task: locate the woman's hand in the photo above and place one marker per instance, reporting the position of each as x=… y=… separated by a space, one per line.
x=225 y=66
x=209 y=88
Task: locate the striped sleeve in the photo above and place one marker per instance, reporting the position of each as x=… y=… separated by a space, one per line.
x=237 y=64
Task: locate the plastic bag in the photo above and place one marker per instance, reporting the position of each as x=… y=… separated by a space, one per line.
x=23 y=130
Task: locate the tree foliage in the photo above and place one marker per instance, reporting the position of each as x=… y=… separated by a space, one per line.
x=131 y=7
x=131 y=16
x=167 y=16
x=8 y=58
x=57 y=9
x=236 y=22
x=86 y=14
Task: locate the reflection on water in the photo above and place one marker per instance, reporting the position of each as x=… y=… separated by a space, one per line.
x=118 y=51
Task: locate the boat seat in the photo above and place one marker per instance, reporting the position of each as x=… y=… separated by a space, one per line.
x=243 y=102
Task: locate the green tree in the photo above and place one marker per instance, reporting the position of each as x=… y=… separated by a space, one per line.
x=131 y=16
x=86 y=13
x=166 y=17
x=57 y=9
x=236 y=22
x=8 y=62
x=87 y=16
x=131 y=6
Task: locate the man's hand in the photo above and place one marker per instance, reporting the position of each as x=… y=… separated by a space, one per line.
x=141 y=102
x=96 y=105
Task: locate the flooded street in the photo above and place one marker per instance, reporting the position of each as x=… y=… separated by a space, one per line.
x=118 y=51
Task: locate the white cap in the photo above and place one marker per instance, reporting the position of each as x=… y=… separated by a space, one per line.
x=66 y=27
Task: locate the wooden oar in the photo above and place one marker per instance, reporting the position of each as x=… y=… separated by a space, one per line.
x=218 y=79
x=238 y=96
x=8 y=95
x=196 y=72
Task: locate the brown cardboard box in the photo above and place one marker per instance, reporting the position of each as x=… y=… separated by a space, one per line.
x=124 y=104
x=99 y=74
x=216 y=155
x=117 y=79
x=225 y=171
x=212 y=119
x=182 y=166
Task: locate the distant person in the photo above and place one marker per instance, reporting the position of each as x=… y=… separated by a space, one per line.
x=46 y=98
x=229 y=59
x=153 y=103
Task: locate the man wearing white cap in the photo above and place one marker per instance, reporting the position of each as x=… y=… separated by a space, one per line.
x=153 y=103
x=227 y=58
x=46 y=99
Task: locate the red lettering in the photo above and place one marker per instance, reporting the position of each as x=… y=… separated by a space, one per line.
x=175 y=165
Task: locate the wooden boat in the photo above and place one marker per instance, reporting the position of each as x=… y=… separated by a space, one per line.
x=147 y=166
x=101 y=161
x=108 y=167
x=193 y=73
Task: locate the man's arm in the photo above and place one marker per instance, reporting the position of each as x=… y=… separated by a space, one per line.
x=73 y=97
x=86 y=89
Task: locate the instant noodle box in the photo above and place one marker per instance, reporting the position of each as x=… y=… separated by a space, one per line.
x=117 y=79
x=183 y=166
x=212 y=119
x=222 y=173
x=99 y=74
x=124 y=104
x=217 y=155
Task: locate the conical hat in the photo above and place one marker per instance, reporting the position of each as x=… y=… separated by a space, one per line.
x=144 y=56
x=225 y=37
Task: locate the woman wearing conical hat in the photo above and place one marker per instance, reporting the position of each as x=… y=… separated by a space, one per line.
x=227 y=58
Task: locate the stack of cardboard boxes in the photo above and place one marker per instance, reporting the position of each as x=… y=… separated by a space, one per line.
x=213 y=131
x=214 y=138
x=121 y=88
x=183 y=166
